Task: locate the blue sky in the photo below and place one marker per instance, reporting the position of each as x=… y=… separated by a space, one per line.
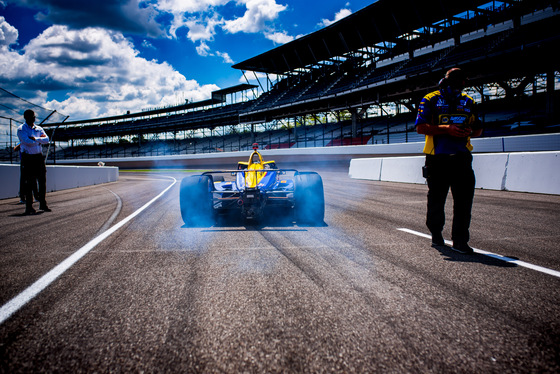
x=94 y=58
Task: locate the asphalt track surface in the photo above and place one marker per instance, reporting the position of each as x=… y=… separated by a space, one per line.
x=355 y=295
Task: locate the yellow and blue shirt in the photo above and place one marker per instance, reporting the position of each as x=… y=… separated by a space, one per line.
x=435 y=109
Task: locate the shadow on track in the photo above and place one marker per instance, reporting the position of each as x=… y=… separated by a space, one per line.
x=451 y=255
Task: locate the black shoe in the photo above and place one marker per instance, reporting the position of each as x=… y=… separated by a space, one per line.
x=437 y=240
x=30 y=212
x=45 y=209
x=462 y=248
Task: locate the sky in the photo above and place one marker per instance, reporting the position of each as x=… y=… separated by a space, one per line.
x=96 y=58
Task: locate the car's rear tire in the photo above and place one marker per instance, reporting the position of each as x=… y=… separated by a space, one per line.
x=309 y=198
x=196 y=200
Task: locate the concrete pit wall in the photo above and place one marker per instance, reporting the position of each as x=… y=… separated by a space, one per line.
x=536 y=172
x=58 y=177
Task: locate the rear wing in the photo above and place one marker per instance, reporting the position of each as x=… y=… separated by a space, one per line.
x=245 y=171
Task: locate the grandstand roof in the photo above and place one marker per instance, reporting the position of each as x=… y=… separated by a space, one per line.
x=221 y=94
x=234 y=89
x=382 y=21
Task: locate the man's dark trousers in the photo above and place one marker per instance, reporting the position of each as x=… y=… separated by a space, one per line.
x=455 y=172
x=35 y=171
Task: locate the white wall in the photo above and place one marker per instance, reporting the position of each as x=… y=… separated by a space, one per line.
x=537 y=172
x=58 y=177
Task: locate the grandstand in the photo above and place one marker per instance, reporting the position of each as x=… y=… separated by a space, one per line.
x=356 y=82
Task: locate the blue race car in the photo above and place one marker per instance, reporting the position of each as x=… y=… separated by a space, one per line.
x=255 y=189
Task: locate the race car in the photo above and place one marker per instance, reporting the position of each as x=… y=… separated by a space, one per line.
x=257 y=188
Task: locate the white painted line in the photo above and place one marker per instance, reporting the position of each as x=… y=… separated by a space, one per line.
x=496 y=256
x=28 y=294
x=114 y=215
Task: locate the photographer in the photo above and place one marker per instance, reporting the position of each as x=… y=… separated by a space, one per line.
x=448 y=119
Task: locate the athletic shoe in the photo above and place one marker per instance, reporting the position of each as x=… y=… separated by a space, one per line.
x=30 y=212
x=45 y=209
x=462 y=248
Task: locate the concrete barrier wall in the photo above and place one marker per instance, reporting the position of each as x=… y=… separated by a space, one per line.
x=490 y=170
x=10 y=181
x=533 y=172
x=395 y=169
x=58 y=178
x=537 y=172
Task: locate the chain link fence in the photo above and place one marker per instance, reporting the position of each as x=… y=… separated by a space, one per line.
x=11 y=116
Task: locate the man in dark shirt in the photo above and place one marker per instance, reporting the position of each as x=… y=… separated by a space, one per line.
x=448 y=119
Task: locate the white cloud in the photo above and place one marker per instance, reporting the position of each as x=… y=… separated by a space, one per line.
x=279 y=37
x=180 y=9
x=202 y=18
x=203 y=49
x=225 y=56
x=146 y=44
x=337 y=17
x=101 y=71
x=77 y=106
x=202 y=29
x=8 y=33
x=258 y=13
